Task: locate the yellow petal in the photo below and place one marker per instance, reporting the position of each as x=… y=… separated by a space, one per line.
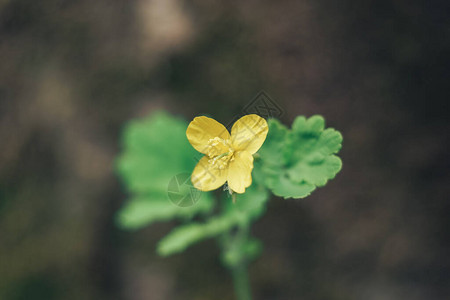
x=249 y=133
x=240 y=171
x=202 y=129
x=207 y=176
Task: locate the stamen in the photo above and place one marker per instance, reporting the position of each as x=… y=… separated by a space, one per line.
x=219 y=152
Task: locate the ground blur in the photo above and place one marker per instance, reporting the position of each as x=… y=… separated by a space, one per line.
x=73 y=72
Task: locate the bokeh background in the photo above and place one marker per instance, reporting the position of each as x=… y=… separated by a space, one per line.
x=73 y=72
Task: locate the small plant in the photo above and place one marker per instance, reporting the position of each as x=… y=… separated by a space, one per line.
x=253 y=160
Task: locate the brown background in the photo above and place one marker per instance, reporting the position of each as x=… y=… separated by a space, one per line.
x=73 y=72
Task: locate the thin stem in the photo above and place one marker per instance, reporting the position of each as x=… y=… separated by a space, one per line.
x=239 y=271
x=232 y=244
x=241 y=283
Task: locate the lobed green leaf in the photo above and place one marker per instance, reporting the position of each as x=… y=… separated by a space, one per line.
x=294 y=162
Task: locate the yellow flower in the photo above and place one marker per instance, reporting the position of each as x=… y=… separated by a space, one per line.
x=228 y=157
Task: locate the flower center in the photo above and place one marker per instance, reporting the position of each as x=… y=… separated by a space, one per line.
x=219 y=152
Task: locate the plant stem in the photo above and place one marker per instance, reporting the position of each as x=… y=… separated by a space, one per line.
x=239 y=271
x=232 y=244
x=233 y=197
x=241 y=283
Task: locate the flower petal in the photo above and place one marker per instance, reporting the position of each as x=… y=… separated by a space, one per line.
x=207 y=176
x=249 y=133
x=240 y=171
x=202 y=129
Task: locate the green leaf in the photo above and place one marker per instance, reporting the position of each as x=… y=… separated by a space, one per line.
x=283 y=187
x=315 y=172
x=184 y=236
x=294 y=162
x=248 y=207
x=155 y=150
x=143 y=211
x=273 y=150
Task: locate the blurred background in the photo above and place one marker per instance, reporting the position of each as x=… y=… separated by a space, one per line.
x=73 y=72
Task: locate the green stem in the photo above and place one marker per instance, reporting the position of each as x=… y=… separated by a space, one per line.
x=232 y=243
x=239 y=271
x=241 y=283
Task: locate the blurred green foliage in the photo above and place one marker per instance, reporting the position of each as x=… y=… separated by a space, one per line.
x=248 y=207
x=155 y=150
